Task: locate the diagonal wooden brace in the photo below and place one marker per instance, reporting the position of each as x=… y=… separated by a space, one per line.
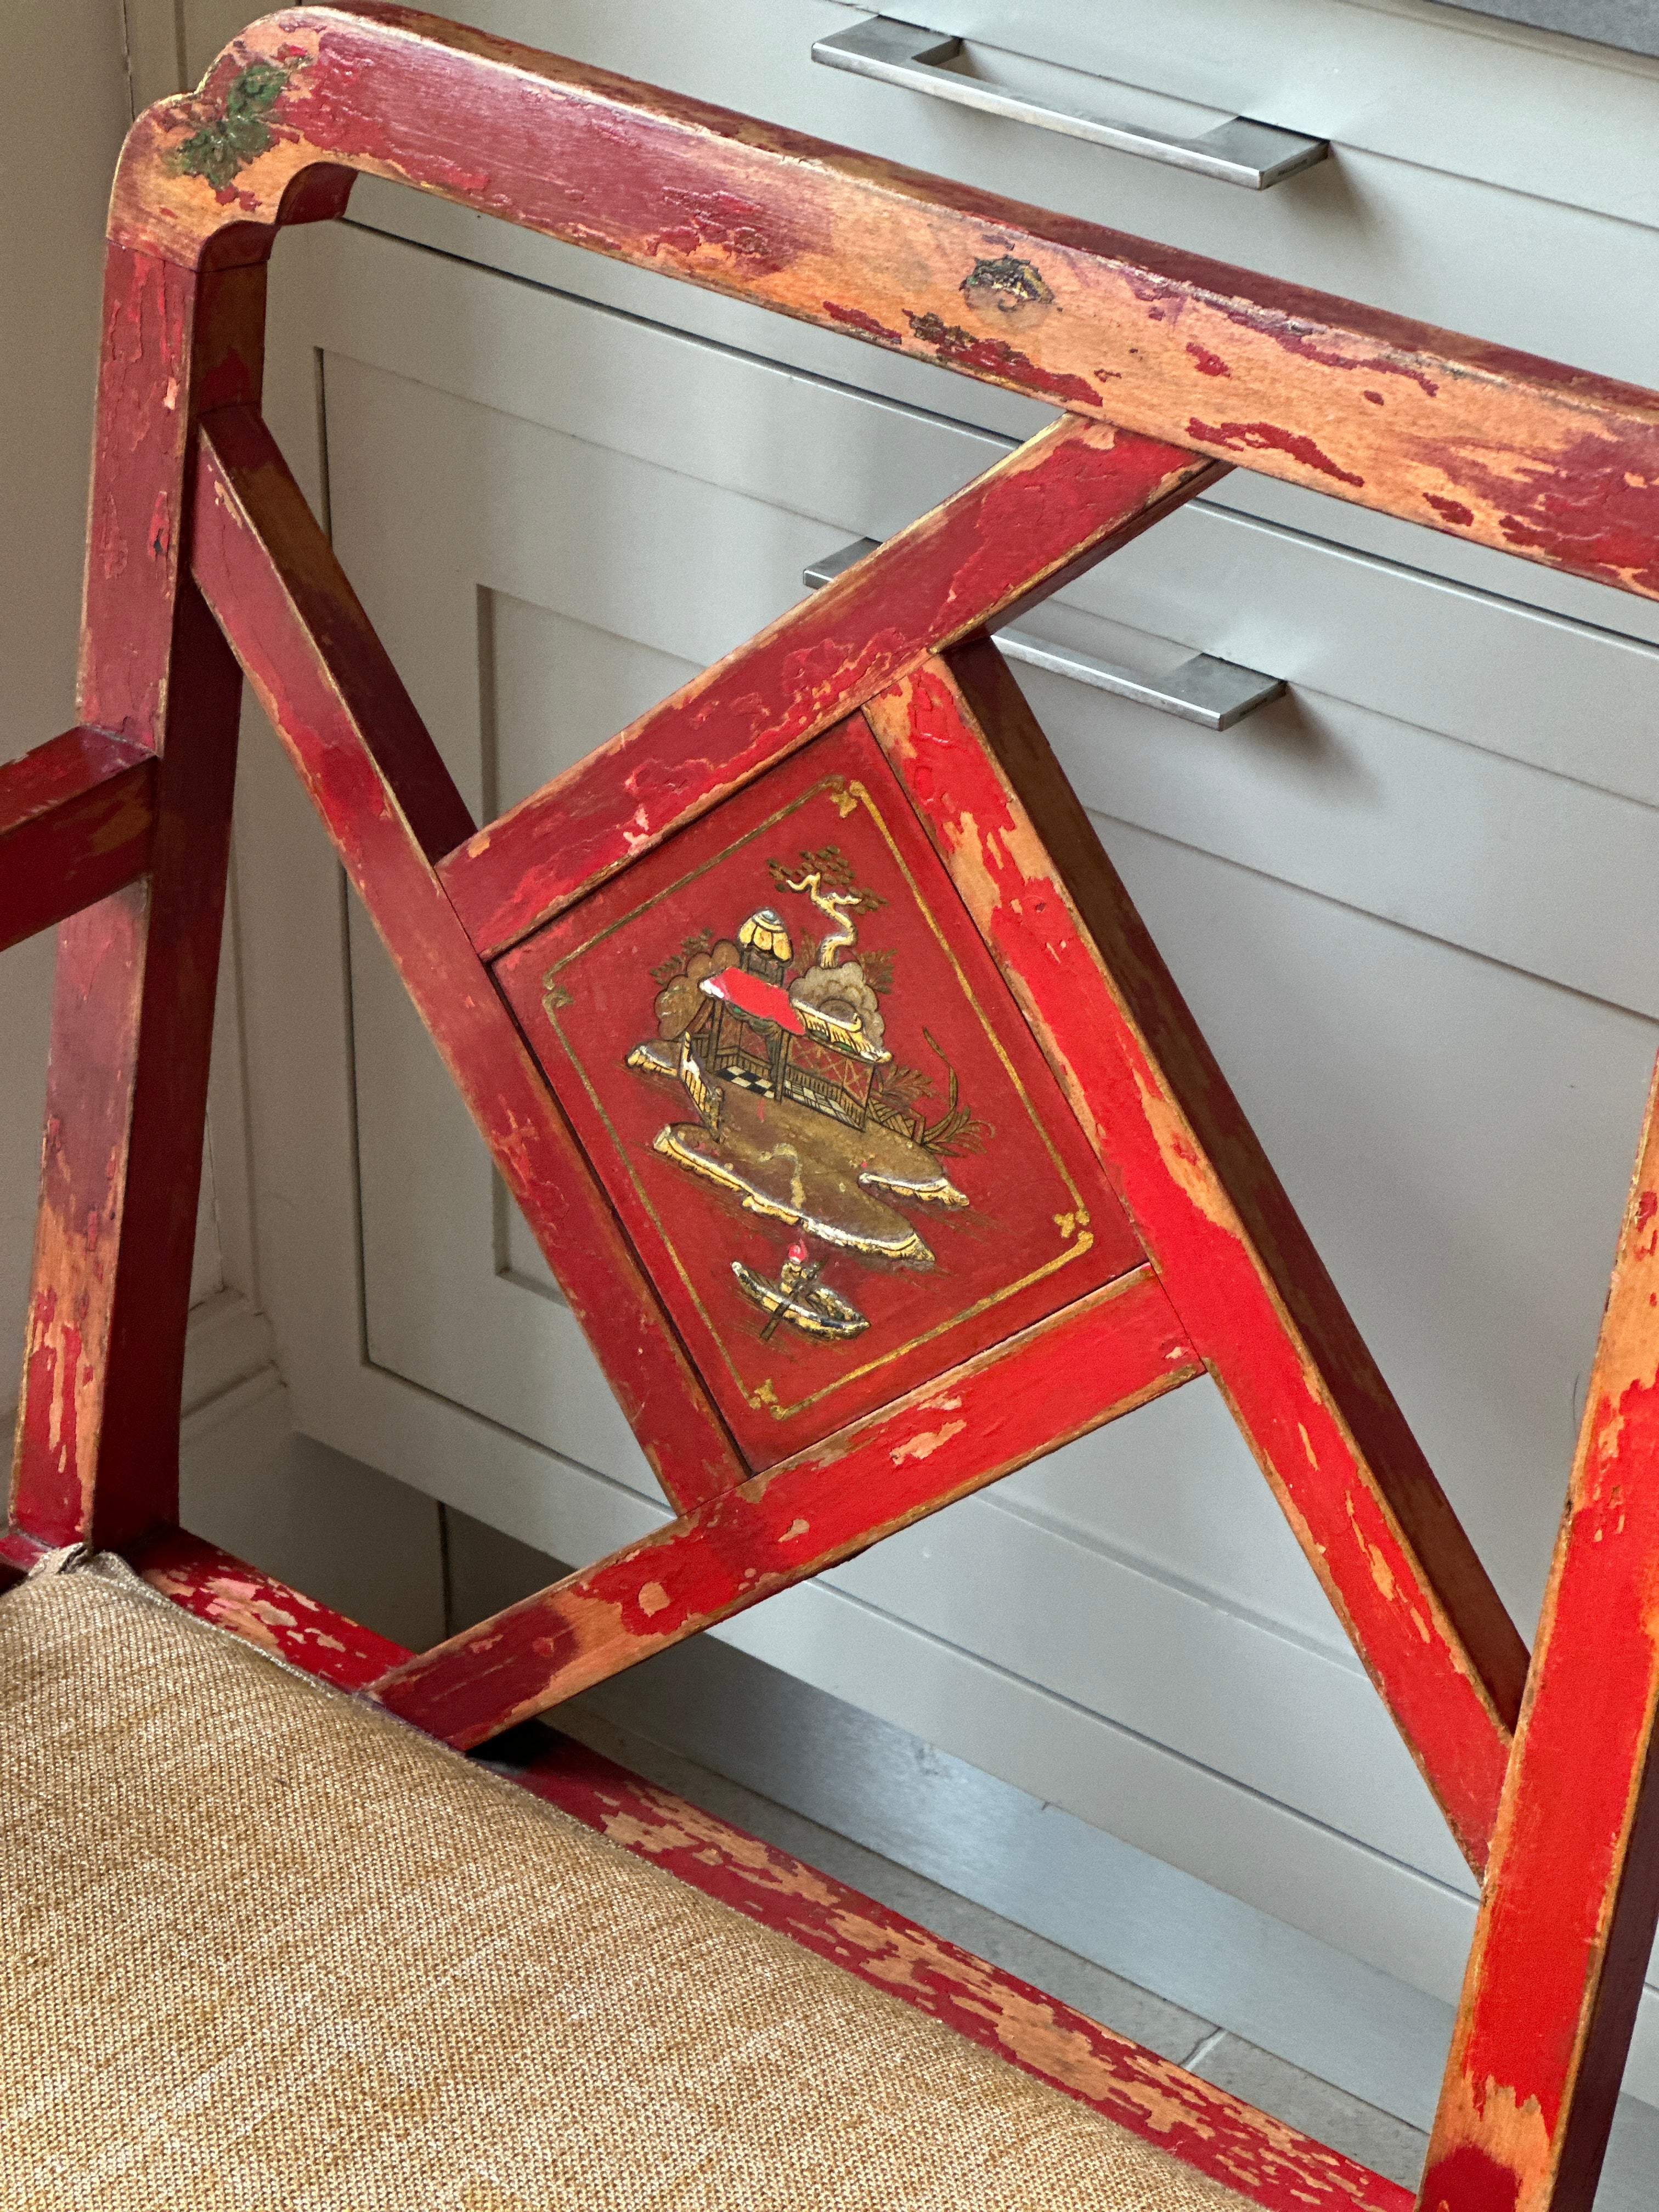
x=329 y=688
x=385 y=796
x=1238 y=1265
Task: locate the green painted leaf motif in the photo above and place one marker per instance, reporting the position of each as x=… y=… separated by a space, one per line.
x=219 y=150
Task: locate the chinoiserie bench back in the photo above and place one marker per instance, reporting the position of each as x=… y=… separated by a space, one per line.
x=873 y=736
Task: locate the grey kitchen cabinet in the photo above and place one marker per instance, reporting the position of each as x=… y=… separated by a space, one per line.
x=1631 y=24
x=1412 y=902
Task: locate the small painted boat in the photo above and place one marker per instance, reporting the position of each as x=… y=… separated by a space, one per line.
x=809 y=1306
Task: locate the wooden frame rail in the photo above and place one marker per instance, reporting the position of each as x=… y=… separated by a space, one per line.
x=205 y=564
x=77 y=816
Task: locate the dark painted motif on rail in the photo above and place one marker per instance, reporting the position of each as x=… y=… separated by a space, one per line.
x=777 y=1037
x=240 y=132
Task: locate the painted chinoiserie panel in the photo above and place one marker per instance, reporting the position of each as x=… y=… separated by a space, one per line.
x=1411 y=904
x=814 y=1103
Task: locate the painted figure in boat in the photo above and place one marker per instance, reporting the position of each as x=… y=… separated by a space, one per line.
x=804 y=1114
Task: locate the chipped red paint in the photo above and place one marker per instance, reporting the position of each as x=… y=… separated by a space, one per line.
x=77 y=817
x=121 y=1154
x=1206 y=362
x=1068 y=499
x=139 y=444
x=735 y=228
x=1096 y=1359
x=1589 y=512
x=1567 y=1919
x=854 y=318
x=996 y=359
x=1522 y=455
x=376 y=780
x=216 y=1587
x=96 y=1457
x=406 y=767
x=1234 y=1259
x=171 y=338
x=95 y=1454
x=1268 y=438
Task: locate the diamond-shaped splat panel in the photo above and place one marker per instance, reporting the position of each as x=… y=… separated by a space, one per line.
x=837 y=1148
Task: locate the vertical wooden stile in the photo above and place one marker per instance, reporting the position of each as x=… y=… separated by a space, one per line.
x=1571 y=1898
x=95 y=1458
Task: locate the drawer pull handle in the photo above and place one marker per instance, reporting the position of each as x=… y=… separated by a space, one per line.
x=1238 y=152
x=1214 y=694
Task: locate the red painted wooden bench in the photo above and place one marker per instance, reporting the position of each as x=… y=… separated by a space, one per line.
x=712 y=946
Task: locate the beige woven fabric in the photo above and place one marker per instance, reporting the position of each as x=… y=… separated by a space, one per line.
x=266 y=1949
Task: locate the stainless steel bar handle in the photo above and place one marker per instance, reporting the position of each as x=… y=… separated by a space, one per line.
x=1239 y=152
x=1214 y=694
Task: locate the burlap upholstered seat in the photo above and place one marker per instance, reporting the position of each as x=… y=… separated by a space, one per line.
x=267 y=1948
